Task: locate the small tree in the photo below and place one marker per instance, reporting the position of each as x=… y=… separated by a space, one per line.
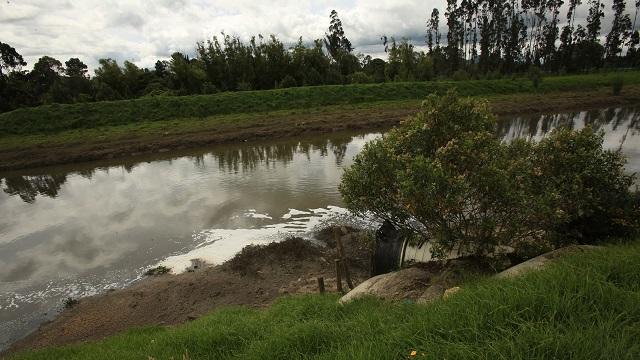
x=446 y=177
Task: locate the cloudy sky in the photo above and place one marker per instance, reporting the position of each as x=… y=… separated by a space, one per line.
x=143 y=31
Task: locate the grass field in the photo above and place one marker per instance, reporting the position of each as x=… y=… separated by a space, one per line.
x=587 y=306
x=56 y=118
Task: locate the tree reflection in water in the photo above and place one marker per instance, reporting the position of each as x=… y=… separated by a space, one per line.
x=233 y=159
x=621 y=123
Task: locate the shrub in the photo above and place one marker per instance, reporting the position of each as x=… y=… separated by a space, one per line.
x=287 y=82
x=360 y=78
x=585 y=186
x=460 y=75
x=445 y=176
x=244 y=86
x=617 y=84
x=535 y=75
x=209 y=88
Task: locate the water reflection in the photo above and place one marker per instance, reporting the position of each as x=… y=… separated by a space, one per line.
x=28 y=187
x=621 y=127
x=78 y=230
x=235 y=160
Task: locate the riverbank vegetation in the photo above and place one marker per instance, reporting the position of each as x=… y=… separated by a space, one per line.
x=584 y=306
x=37 y=149
x=446 y=177
x=55 y=118
x=483 y=40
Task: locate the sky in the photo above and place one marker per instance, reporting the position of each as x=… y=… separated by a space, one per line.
x=143 y=31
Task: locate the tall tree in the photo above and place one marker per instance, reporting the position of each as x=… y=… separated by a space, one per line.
x=620 y=31
x=454 y=37
x=433 y=31
x=46 y=71
x=75 y=68
x=551 y=33
x=9 y=59
x=335 y=40
x=594 y=20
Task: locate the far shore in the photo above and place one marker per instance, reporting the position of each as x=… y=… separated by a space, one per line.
x=74 y=146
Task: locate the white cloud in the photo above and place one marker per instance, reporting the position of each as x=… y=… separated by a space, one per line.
x=143 y=30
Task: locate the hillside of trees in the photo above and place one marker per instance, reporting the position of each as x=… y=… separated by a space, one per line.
x=485 y=39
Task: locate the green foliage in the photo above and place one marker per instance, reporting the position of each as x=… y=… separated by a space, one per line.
x=288 y=82
x=47 y=119
x=584 y=307
x=535 y=75
x=460 y=75
x=360 y=78
x=445 y=176
x=585 y=188
x=616 y=84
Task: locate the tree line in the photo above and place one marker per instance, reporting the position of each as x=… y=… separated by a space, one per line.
x=484 y=39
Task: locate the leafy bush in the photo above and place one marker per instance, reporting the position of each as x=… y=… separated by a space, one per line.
x=445 y=176
x=287 y=82
x=209 y=88
x=535 y=75
x=617 y=84
x=460 y=75
x=360 y=78
x=244 y=86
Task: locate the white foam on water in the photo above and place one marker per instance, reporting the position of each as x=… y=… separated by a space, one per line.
x=253 y=214
x=294 y=212
x=215 y=246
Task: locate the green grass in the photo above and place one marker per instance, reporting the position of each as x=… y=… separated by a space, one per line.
x=56 y=118
x=587 y=306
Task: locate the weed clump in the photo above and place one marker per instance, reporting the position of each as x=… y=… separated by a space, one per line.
x=617 y=84
x=158 y=270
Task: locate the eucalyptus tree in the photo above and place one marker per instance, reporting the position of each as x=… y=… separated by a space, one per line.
x=620 y=31
x=433 y=31
x=515 y=37
x=567 y=36
x=10 y=59
x=550 y=34
x=454 y=38
x=594 y=20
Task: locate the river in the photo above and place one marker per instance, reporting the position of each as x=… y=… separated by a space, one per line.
x=79 y=230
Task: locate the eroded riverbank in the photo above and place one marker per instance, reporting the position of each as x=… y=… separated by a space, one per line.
x=255 y=277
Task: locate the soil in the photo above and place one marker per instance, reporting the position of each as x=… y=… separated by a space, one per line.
x=269 y=126
x=255 y=277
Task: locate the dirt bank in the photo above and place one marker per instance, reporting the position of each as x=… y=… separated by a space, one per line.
x=260 y=126
x=255 y=277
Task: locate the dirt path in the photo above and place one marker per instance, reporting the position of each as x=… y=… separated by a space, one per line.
x=255 y=277
x=264 y=126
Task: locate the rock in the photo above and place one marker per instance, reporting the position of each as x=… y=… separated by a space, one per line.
x=404 y=284
x=451 y=291
x=433 y=292
x=541 y=261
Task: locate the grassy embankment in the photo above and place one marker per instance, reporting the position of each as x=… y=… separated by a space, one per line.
x=586 y=306
x=149 y=117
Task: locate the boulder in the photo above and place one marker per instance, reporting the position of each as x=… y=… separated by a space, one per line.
x=404 y=284
x=541 y=261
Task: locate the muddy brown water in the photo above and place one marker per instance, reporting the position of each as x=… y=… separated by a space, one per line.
x=78 y=230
